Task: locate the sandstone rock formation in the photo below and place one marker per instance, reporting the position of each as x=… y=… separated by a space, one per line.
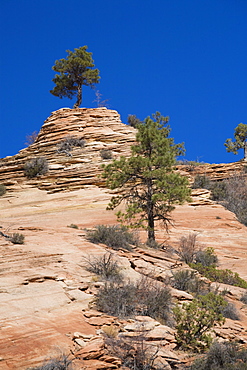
x=101 y=128
x=46 y=292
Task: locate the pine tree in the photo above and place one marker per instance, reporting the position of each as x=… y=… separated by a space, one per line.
x=240 y=134
x=147 y=180
x=76 y=70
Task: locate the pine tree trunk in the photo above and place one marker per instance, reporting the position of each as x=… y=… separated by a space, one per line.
x=150 y=213
x=79 y=97
x=245 y=151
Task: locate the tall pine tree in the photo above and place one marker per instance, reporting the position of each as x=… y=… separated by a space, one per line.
x=147 y=181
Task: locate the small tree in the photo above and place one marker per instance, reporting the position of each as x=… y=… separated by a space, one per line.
x=76 y=70
x=147 y=180
x=196 y=319
x=240 y=134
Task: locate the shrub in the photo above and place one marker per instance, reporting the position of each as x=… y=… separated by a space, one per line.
x=60 y=363
x=187 y=280
x=188 y=248
x=17 y=238
x=106 y=154
x=73 y=226
x=30 y=139
x=36 y=167
x=69 y=143
x=145 y=298
x=206 y=257
x=2 y=189
x=195 y=320
x=236 y=197
x=230 y=312
x=221 y=276
x=225 y=355
x=104 y=266
x=218 y=190
x=201 y=182
x=133 y=120
x=152 y=244
x=134 y=353
x=244 y=298
x=116 y=237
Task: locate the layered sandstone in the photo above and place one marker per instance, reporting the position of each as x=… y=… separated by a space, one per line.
x=100 y=128
x=46 y=292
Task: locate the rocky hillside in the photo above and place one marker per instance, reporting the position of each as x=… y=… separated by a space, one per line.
x=46 y=291
x=99 y=128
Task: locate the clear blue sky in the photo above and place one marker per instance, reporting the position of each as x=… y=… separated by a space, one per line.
x=184 y=58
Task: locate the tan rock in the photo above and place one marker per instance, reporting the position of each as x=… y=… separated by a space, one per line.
x=92 y=350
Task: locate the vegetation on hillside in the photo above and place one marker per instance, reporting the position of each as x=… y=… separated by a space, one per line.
x=240 y=142
x=147 y=181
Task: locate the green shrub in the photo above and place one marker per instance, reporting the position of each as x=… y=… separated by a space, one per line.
x=17 y=238
x=105 y=266
x=106 y=154
x=116 y=237
x=188 y=281
x=2 y=189
x=36 y=167
x=206 y=257
x=221 y=276
x=196 y=319
x=225 y=356
x=145 y=297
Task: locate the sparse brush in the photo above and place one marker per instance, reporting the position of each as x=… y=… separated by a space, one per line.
x=17 y=238
x=2 y=189
x=244 y=297
x=115 y=237
x=36 y=167
x=60 y=363
x=201 y=182
x=224 y=356
x=188 y=281
x=105 y=266
x=69 y=143
x=106 y=154
x=230 y=312
x=145 y=297
x=206 y=257
x=73 y=226
x=188 y=248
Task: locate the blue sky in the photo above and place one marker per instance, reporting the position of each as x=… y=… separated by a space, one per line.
x=184 y=58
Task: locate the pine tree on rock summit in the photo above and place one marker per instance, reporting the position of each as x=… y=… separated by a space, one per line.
x=147 y=181
x=240 y=134
x=75 y=70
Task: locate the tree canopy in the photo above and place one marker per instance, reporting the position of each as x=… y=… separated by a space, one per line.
x=75 y=70
x=147 y=180
x=240 y=135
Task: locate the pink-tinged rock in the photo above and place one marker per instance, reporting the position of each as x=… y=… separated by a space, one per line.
x=92 y=350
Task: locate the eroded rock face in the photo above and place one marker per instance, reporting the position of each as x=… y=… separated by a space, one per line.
x=46 y=292
x=100 y=128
